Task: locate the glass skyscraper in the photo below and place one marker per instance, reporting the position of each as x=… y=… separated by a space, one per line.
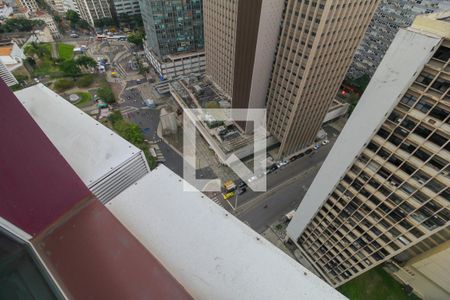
x=173 y=26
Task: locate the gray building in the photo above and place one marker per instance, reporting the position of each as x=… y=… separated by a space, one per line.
x=127 y=7
x=174 y=29
x=389 y=17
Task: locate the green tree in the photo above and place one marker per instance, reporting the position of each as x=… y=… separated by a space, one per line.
x=86 y=61
x=85 y=80
x=136 y=38
x=73 y=17
x=83 y=24
x=63 y=84
x=37 y=50
x=106 y=94
x=21 y=25
x=70 y=68
x=133 y=134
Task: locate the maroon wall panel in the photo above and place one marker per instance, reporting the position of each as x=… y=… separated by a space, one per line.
x=36 y=184
x=93 y=256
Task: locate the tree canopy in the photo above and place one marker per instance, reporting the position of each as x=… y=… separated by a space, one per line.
x=106 y=94
x=136 y=38
x=70 y=68
x=85 y=61
x=20 y=25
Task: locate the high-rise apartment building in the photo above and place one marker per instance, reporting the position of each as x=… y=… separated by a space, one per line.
x=93 y=10
x=127 y=7
x=240 y=44
x=384 y=187
x=388 y=18
x=174 y=36
x=31 y=5
x=316 y=46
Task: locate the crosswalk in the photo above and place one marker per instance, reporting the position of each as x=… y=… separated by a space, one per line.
x=218 y=200
x=128 y=109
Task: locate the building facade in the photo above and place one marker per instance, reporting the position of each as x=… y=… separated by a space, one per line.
x=92 y=10
x=240 y=44
x=127 y=7
x=220 y=18
x=384 y=187
x=316 y=46
x=172 y=27
x=389 y=17
x=30 y=5
x=57 y=5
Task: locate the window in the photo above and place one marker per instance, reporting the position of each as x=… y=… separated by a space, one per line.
x=439 y=113
x=443 y=53
x=422 y=131
x=408 y=100
x=441 y=85
x=425 y=78
x=423 y=106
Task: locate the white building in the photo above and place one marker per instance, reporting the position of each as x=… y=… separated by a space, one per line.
x=11 y=54
x=104 y=161
x=209 y=251
x=92 y=10
x=127 y=7
x=51 y=25
x=57 y=5
x=30 y=5
x=177 y=64
x=5 y=10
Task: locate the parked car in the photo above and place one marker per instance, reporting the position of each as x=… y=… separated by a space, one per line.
x=282 y=163
x=239 y=183
x=317 y=146
x=74 y=35
x=228 y=195
x=324 y=142
x=241 y=191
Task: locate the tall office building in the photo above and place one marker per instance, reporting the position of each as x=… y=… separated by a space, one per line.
x=93 y=10
x=240 y=44
x=388 y=18
x=174 y=36
x=220 y=18
x=316 y=46
x=384 y=187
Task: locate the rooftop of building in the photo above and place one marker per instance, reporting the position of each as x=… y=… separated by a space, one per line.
x=90 y=148
x=6 y=50
x=198 y=92
x=208 y=250
x=436 y=23
x=153 y=241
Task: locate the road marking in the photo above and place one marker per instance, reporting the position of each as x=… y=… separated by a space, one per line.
x=255 y=201
x=217 y=201
x=128 y=109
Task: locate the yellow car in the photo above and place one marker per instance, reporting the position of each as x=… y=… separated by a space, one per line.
x=228 y=195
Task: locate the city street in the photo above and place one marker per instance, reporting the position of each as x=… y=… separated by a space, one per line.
x=285 y=190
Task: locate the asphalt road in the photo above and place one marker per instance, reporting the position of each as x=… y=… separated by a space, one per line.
x=286 y=189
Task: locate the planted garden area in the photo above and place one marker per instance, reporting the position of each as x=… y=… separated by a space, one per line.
x=67 y=73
